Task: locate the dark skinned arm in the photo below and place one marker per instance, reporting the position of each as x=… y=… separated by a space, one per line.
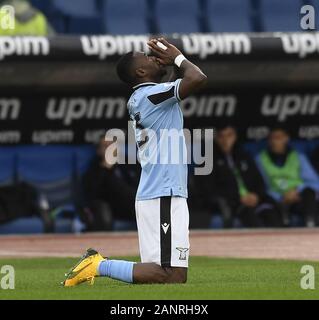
x=174 y=75
x=193 y=78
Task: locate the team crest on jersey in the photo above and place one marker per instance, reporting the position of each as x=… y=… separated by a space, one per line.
x=182 y=253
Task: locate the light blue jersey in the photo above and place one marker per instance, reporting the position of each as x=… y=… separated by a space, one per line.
x=158 y=125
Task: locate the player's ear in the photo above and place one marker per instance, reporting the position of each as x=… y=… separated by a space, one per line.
x=140 y=72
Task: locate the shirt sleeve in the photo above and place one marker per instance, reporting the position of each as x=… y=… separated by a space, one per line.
x=177 y=83
x=164 y=91
x=308 y=174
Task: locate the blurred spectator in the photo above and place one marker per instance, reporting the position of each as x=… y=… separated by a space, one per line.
x=28 y=20
x=315 y=160
x=290 y=178
x=237 y=186
x=22 y=200
x=110 y=193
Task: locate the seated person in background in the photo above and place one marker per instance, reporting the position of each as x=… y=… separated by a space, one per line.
x=109 y=190
x=315 y=160
x=21 y=200
x=27 y=20
x=237 y=186
x=290 y=178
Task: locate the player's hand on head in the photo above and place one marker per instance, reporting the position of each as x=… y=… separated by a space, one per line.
x=164 y=56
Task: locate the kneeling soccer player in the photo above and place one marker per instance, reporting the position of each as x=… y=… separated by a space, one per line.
x=161 y=207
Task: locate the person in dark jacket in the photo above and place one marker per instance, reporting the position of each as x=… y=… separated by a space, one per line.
x=110 y=192
x=237 y=186
x=315 y=160
x=22 y=200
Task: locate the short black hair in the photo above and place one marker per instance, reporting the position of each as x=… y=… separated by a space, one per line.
x=225 y=125
x=278 y=127
x=124 y=68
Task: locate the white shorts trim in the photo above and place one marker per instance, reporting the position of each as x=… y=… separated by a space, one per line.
x=163 y=231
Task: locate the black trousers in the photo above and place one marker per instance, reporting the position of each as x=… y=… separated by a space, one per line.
x=264 y=215
x=307 y=207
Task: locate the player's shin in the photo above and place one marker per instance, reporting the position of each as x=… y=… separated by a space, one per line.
x=116 y=269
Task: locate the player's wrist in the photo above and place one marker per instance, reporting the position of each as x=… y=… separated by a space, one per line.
x=179 y=59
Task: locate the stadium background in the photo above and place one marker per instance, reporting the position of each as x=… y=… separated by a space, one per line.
x=59 y=93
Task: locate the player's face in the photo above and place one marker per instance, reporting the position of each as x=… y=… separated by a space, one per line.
x=150 y=65
x=278 y=141
x=226 y=139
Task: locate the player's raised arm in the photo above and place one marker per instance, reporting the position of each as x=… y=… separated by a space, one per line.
x=193 y=78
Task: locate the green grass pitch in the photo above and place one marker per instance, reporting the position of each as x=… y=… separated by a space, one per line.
x=209 y=278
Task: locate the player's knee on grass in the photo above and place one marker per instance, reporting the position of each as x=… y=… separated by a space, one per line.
x=176 y=275
x=169 y=275
x=153 y=273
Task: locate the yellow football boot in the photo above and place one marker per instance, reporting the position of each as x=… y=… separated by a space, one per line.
x=85 y=270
